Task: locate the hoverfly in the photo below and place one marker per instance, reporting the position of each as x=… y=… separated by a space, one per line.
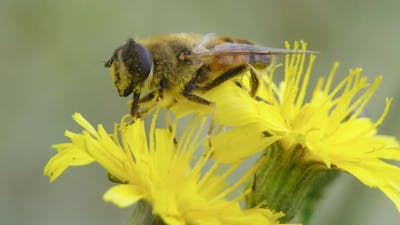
x=183 y=63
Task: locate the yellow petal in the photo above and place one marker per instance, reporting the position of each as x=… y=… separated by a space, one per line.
x=135 y=137
x=376 y=173
x=124 y=195
x=167 y=174
x=69 y=156
x=238 y=144
x=84 y=123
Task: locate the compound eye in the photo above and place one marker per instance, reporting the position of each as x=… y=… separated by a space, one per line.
x=137 y=61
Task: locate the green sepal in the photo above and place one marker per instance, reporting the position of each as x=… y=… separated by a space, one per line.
x=315 y=194
x=142 y=215
x=286 y=182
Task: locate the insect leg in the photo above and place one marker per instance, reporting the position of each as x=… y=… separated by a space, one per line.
x=186 y=93
x=225 y=76
x=254 y=81
x=196 y=98
x=148 y=103
x=163 y=83
x=149 y=97
x=135 y=104
x=189 y=87
x=147 y=110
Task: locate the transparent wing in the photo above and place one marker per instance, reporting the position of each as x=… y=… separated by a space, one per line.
x=230 y=48
x=201 y=46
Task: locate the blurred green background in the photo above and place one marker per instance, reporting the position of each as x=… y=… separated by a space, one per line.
x=52 y=55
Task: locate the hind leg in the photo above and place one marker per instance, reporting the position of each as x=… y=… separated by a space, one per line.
x=236 y=71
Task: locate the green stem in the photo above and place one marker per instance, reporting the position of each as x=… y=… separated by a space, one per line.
x=142 y=215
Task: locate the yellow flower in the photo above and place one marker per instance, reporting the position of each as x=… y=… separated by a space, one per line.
x=329 y=127
x=162 y=171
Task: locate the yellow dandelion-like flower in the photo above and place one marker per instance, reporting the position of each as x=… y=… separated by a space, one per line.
x=329 y=129
x=162 y=171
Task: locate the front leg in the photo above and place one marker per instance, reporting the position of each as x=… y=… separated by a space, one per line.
x=135 y=104
x=157 y=94
x=149 y=97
